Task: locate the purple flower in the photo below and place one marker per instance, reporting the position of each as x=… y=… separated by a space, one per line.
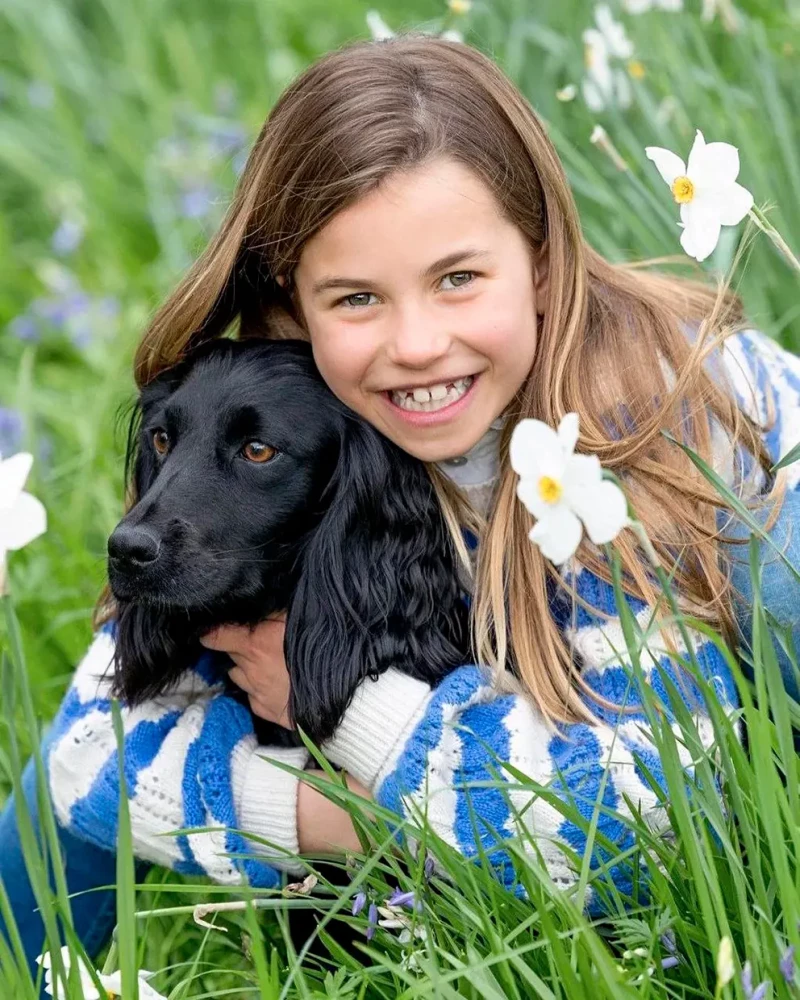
x=786 y=965
x=668 y=941
x=358 y=903
x=671 y=962
x=11 y=431
x=196 y=201
x=372 y=920
x=407 y=899
x=747 y=984
x=67 y=238
x=227 y=137
x=24 y=327
x=429 y=866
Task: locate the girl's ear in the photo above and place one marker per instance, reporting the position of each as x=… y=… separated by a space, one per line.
x=378 y=585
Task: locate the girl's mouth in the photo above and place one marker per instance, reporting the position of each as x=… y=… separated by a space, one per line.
x=435 y=405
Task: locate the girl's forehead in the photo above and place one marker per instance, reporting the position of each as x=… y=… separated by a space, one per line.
x=410 y=215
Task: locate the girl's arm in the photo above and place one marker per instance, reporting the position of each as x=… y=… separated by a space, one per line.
x=191 y=760
x=418 y=751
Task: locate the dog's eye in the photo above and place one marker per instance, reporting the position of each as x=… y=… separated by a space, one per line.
x=257 y=451
x=161 y=441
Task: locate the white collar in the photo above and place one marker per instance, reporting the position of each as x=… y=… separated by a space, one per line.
x=481 y=464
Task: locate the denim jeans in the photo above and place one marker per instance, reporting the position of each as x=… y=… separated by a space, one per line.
x=88 y=867
x=780 y=591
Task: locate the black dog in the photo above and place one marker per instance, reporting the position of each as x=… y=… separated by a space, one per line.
x=259 y=491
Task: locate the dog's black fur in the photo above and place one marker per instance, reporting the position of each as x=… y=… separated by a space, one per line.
x=340 y=528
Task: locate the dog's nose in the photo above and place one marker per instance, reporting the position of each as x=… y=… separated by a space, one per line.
x=133 y=545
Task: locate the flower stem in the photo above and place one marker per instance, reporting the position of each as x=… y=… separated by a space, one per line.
x=768 y=229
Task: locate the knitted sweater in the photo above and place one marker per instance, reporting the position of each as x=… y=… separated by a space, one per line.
x=191 y=758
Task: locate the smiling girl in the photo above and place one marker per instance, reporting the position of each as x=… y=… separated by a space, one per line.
x=404 y=210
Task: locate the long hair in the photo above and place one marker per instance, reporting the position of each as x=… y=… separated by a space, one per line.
x=611 y=333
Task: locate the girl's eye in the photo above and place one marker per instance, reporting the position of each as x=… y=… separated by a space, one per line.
x=349 y=300
x=258 y=452
x=359 y=300
x=456 y=278
x=161 y=442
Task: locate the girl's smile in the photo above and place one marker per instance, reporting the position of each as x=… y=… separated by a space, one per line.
x=434 y=338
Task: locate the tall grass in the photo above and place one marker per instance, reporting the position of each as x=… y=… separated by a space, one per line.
x=122 y=127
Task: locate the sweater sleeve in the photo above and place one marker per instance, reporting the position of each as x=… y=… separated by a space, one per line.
x=191 y=760
x=426 y=752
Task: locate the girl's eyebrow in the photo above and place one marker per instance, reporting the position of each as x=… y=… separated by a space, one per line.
x=468 y=254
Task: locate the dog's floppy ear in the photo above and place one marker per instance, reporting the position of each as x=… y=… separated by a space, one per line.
x=149 y=653
x=378 y=586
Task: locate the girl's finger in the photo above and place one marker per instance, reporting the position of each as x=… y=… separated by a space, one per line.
x=225 y=639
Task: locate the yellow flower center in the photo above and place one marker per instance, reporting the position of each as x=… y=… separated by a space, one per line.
x=460 y=6
x=682 y=190
x=636 y=69
x=549 y=489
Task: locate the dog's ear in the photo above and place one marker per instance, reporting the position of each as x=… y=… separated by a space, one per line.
x=149 y=653
x=378 y=585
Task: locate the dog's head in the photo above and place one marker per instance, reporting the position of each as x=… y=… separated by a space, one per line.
x=257 y=490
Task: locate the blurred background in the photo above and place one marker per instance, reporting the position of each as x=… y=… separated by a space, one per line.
x=124 y=125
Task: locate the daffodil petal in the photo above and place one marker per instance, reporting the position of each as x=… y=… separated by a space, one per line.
x=715 y=165
x=528 y=493
x=695 y=154
x=668 y=164
x=733 y=204
x=593 y=95
x=558 y=535
x=13 y=473
x=568 y=432
x=26 y=520
x=701 y=233
x=582 y=473
x=604 y=512
x=535 y=450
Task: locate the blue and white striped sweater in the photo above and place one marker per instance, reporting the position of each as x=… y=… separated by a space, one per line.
x=191 y=758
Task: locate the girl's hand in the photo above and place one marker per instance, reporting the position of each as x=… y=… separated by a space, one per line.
x=260 y=667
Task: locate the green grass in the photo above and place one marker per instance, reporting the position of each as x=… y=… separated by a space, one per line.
x=130 y=120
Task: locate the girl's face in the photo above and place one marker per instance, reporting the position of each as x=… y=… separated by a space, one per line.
x=423 y=285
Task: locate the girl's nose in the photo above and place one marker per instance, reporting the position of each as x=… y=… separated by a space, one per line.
x=417 y=340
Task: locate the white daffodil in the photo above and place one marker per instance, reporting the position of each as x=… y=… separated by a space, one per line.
x=643 y=6
x=378 y=28
x=613 y=33
x=605 y=84
x=706 y=190
x=564 y=491
x=22 y=517
x=112 y=984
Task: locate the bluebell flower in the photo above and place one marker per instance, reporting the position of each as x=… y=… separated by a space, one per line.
x=359 y=902
x=747 y=984
x=407 y=899
x=24 y=327
x=227 y=137
x=195 y=201
x=68 y=237
x=372 y=920
x=12 y=431
x=786 y=965
x=671 y=962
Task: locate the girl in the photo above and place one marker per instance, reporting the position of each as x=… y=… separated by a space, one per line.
x=404 y=209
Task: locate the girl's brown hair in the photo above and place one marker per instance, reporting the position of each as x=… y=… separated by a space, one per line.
x=611 y=333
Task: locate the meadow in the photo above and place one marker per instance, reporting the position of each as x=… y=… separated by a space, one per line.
x=123 y=127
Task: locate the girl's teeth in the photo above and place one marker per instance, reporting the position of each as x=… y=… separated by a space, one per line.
x=434 y=398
